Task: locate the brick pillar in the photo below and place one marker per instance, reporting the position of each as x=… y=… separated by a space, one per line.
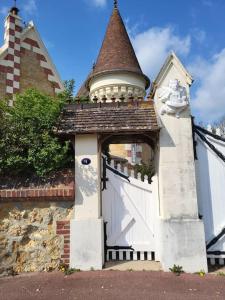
x=63 y=228
x=13 y=29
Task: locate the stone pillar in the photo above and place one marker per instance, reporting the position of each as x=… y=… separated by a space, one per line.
x=87 y=238
x=181 y=232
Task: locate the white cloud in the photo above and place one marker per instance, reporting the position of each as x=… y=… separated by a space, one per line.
x=30 y=7
x=199 y=35
x=209 y=98
x=99 y=3
x=154 y=45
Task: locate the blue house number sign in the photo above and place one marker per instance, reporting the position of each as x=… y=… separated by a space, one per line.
x=86 y=161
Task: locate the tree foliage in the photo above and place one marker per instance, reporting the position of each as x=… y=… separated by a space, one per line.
x=27 y=142
x=145 y=169
x=68 y=93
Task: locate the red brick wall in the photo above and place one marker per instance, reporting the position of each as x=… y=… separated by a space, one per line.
x=27 y=194
x=63 y=228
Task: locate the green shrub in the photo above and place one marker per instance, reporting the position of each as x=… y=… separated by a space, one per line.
x=27 y=143
x=177 y=270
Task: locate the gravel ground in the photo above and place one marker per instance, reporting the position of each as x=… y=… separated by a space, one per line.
x=112 y=285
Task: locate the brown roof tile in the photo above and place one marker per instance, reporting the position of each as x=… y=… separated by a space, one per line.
x=117 y=53
x=108 y=117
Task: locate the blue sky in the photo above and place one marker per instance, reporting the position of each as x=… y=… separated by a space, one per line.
x=73 y=31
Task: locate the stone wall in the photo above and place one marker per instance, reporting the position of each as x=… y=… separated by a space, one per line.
x=28 y=235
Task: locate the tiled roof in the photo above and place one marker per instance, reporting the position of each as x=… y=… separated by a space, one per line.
x=83 y=91
x=108 y=117
x=117 y=53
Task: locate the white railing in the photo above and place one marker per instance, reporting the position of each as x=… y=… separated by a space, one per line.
x=130 y=172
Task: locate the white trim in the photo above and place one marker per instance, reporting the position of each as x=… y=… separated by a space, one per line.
x=26 y=46
x=3 y=49
x=16 y=84
x=17 y=59
x=37 y=50
x=44 y=64
x=58 y=90
x=10 y=25
x=17 y=47
x=10 y=63
x=4 y=63
x=216 y=256
x=9 y=76
x=52 y=78
x=16 y=72
x=17 y=34
x=18 y=22
x=43 y=50
x=9 y=89
x=11 y=38
x=173 y=59
x=11 y=51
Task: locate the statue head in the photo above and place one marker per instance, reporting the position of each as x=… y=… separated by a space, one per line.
x=174 y=84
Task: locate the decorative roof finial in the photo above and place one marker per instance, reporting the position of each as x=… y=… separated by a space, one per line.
x=115 y=4
x=14 y=10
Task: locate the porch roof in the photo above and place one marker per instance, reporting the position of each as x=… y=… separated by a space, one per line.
x=108 y=118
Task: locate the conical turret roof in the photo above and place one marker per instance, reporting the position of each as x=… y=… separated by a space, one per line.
x=117 y=53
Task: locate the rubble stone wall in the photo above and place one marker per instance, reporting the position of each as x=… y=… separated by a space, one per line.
x=29 y=236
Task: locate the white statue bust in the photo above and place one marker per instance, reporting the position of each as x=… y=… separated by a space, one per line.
x=175 y=98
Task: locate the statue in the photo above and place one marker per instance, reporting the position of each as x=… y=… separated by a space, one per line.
x=175 y=98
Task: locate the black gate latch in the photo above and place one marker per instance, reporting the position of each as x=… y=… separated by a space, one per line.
x=104 y=178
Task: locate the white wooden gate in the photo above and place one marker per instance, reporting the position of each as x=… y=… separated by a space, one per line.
x=129 y=210
x=210 y=170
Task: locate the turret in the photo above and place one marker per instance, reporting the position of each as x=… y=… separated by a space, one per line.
x=117 y=73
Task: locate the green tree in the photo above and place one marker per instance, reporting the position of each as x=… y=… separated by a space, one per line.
x=68 y=93
x=145 y=169
x=27 y=144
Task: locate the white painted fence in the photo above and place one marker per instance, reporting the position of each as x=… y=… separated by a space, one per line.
x=210 y=170
x=129 y=208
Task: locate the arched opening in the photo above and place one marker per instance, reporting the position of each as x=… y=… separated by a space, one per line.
x=135 y=153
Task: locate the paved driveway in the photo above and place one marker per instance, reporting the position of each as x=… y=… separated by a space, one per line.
x=112 y=285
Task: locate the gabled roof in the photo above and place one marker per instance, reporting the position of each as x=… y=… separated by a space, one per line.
x=31 y=31
x=117 y=53
x=173 y=59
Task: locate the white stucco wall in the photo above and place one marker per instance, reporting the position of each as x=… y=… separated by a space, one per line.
x=87 y=178
x=117 y=84
x=176 y=158
x=86 y=233
x=181 y=238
